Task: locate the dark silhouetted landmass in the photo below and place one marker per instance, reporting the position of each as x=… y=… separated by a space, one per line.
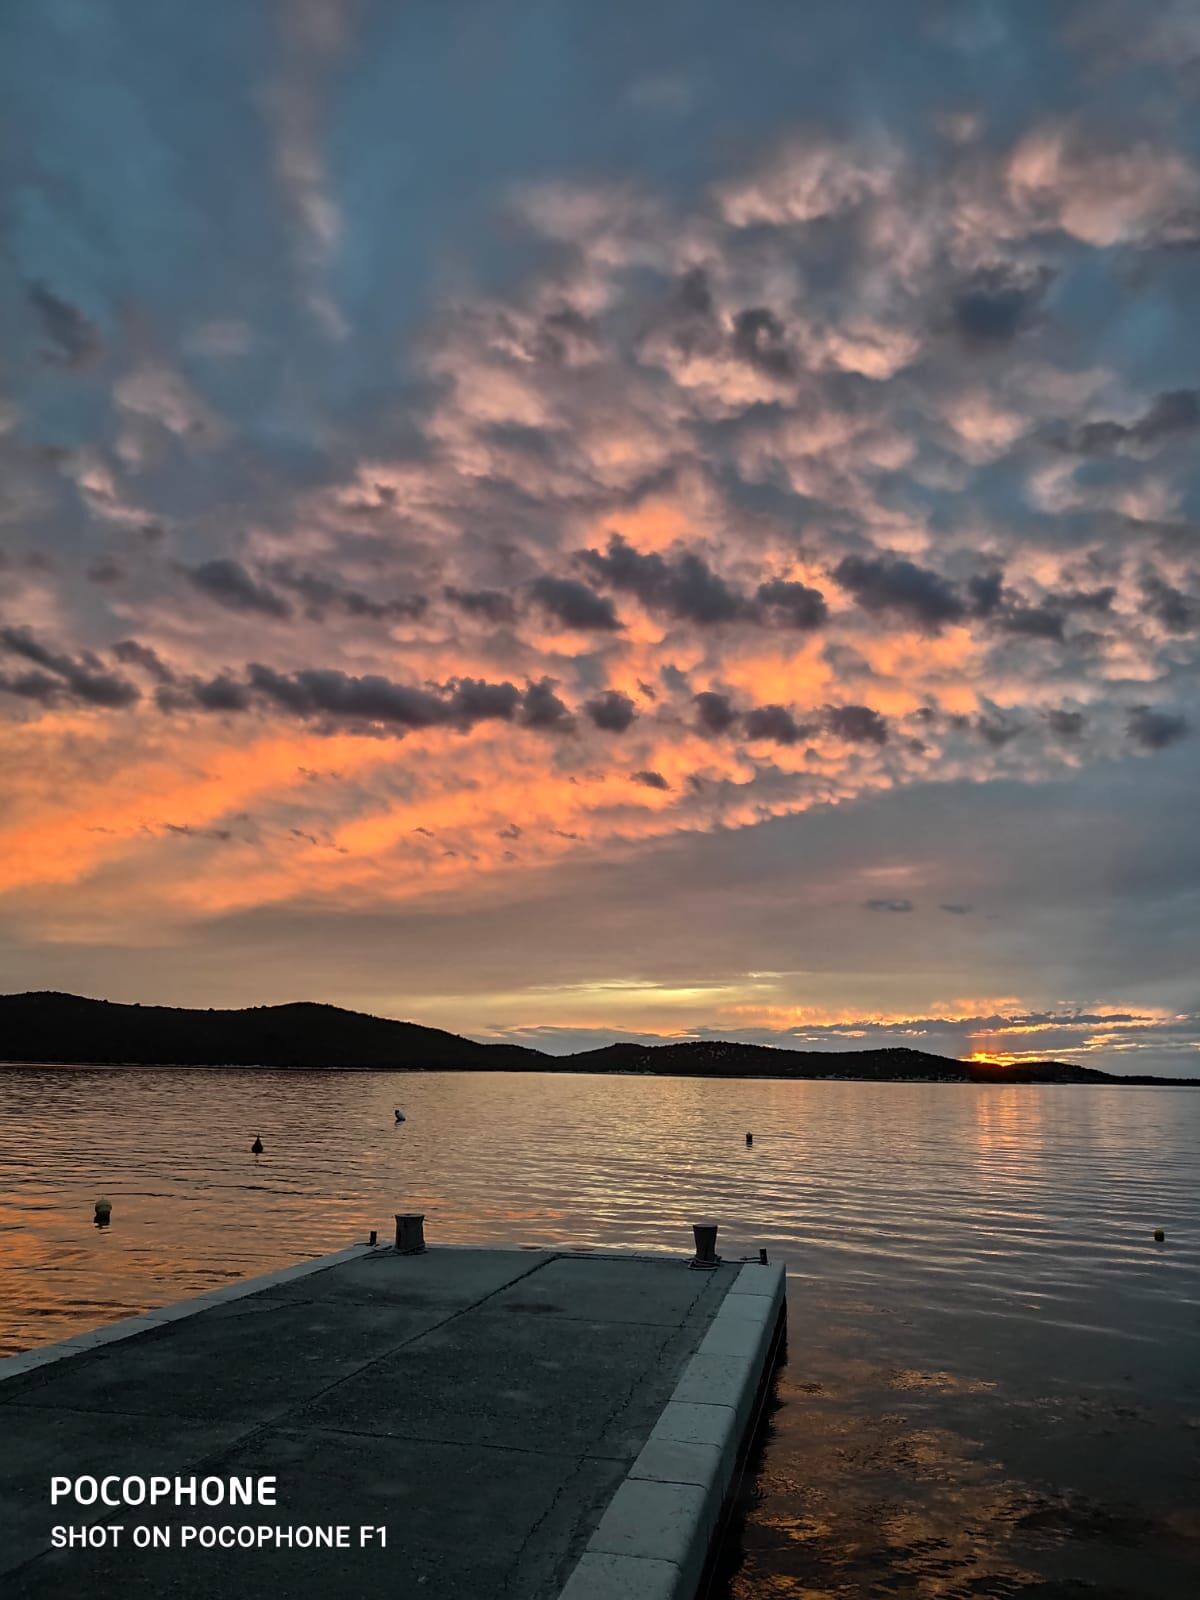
x=48 y=1027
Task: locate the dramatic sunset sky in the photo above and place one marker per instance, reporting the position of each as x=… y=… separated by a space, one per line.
x=574 y=522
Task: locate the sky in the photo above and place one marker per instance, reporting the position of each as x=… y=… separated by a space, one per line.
x=574 y=523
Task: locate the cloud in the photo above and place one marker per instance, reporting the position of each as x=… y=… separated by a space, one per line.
x=132 y=654
x=884 y=585
x=1178 y=612
x=75 y=341
x=806 y=179
x=1140 y=193
x=574 y=604
x=1154 y=729
x=773 y=722
x=490 y=604
x=997 y=303
x=759 y=339
x=650 y=780
x=229 y=584
x=794 y=605
x=1171 y=413
x=377 y=700
x=715 y=713
x=842 y=466
x=686 y=587
x=1066 y=724
x=83 y=680
x=612 y=711
x=887 y=905
x=858 y=724
x=542 y=709
x=320 y=595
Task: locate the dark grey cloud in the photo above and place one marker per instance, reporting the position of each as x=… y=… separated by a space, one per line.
x=1067 y=725
x=649 y=779
x=887 y=905
x=996 y=731
x=759 y=339
x=890 y=584
x=984 y=593
x=694 y=293
x=475 y=700
x=955 y=908
x=372 y=698
x=75 y=340
x=542 y=709
x=997 y=303
x=493 y=605
x=321 y=595
x=188 y=830
x=858 y=724
x=714 y=711
x=1176 y=611
x=612 y=711
x=83 y=679
x=566 y=336
x=1154 y=729
x=228 y=583
x=794 y=605
x=1174 y=411
x=130 y=653
x=574 y=604
x=774 y=722
x=221 y=693
x=1042 y=621
x=686 y=587
x=1093 y=600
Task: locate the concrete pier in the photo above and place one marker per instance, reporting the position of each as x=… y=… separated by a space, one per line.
x=454 y=1425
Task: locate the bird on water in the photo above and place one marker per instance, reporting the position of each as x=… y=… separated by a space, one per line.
x=400 y=1117
x=257 y=1146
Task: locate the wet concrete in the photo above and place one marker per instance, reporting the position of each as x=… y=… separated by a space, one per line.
x=480 y=1406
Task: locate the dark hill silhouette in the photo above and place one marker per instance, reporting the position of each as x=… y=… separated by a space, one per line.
x=45 y=1027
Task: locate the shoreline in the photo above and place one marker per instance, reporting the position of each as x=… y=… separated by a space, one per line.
x=996 y=1079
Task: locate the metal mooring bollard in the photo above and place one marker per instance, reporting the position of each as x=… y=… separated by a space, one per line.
x=410 y=1233
x=706 y=1257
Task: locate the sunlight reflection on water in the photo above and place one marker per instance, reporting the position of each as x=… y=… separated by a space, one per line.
x=993 y=1385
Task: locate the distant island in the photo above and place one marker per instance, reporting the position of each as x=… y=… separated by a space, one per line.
x=47 y=1027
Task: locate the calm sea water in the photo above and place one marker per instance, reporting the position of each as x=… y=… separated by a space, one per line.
x=993 y=1379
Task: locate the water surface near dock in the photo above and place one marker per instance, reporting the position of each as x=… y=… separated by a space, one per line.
x=992 y=1381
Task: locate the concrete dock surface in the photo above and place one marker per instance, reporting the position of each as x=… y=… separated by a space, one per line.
x=481 y=1423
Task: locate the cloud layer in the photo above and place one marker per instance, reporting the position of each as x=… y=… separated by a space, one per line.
x=849 y=459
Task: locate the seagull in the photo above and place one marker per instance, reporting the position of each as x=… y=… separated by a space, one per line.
x=400 y=1117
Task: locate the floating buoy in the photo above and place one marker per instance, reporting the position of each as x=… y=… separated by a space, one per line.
x=257 y=1146
x=1159 y=1235
x=103 y=1213
x=749 y=1138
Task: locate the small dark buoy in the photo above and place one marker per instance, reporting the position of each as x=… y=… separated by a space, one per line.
x=1159 y=1235
x=257 y=1146
x=103 y=1213
x=749 y=1138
